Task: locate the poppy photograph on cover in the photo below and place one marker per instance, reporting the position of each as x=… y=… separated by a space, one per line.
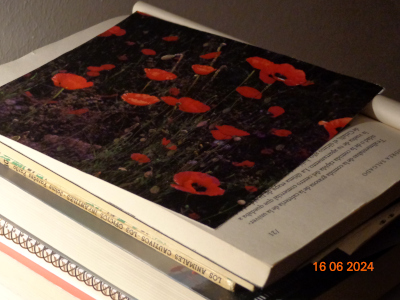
x=197 y=123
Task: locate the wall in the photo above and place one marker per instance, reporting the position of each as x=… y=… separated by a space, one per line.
x=360 y=38
x=26 y=25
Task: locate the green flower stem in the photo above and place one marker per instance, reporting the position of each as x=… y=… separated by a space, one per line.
x=59 y=92
x=146 y=125
x=177 y=63
x=194 y=82
x=126 y=68
x=145 y=86
x=214 y=76
x=266 y=88
x=243 y=82
x=247 y=78
x=219 y=49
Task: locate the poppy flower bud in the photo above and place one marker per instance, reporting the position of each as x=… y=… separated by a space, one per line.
x=168 y=57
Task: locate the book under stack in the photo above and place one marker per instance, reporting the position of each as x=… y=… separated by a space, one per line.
x=155 y=158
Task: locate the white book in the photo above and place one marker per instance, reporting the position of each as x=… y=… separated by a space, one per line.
x=39 y=278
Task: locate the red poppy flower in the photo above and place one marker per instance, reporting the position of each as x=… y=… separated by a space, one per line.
x=172 y=147
x=148 y=52
x=281 y=132
x=144 y=14
x=249 y=92
x=105 y=34
x=245 y=163
x=123 y=57
x=250 y=188
x=28 y=93
x=232 y=131
x=174 y=91
x=333 y=125
x=202 y=69
x=285 y=73
x=267 y=151
x=307 y=83
x=70 y=81
x=218 y=135
x=258 y=62
x=95 y=69
x=266 y=77
x=192 y=106
x=194 y=216
x=165 y=142
x=197 y=183
x=305 y=153
x=170 y=100
x=140 y=158
x=129 y=43
x=226 y=132
x=93 y=73
x=116 y=30
x=276 y=111
x=78 y=111
x=139 y=99
x=211 y=55
x=202 y=123
x=107 y=67
x=159 y=75
x=170 y=38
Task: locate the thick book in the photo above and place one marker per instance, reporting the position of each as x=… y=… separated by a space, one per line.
x=40 y=278
x=213 y=152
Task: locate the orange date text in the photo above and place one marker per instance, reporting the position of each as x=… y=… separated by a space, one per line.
x=339 y=266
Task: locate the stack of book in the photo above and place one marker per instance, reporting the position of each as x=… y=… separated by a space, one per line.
x=159 y=159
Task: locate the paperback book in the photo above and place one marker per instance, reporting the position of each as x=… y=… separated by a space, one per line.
x=211 y=151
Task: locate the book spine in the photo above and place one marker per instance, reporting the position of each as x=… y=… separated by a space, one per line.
x=118 y=219
x=14 y=234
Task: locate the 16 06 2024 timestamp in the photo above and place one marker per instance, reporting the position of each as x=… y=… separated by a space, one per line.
x=338 y=266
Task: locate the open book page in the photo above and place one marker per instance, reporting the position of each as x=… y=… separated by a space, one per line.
x=361 y=235
x=348 y=172
x=271 y=124
x=167 y=16
x=385 y=110
x=381 y=108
